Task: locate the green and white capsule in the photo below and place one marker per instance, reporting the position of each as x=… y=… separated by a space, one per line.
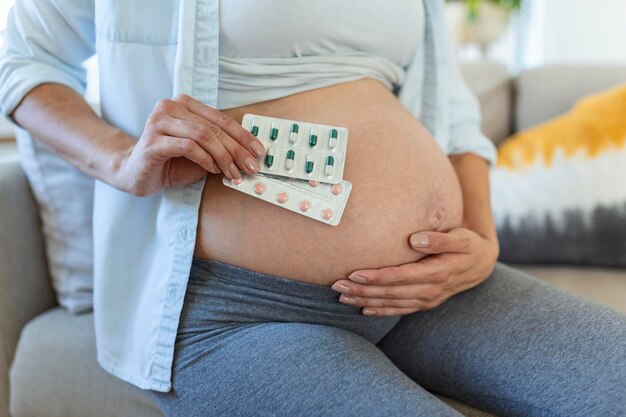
x=254 y=129
x=313 y=137
x=329 y=169
x=269 y=157
x=289 y=161
x=332 y=140
x=293 y=135
x=310 y=162
x=274 y=131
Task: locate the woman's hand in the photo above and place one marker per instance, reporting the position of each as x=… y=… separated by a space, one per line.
x=181 y=141
x=459 y=259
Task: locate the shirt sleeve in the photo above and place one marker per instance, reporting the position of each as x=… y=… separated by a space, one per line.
x=464 y=134
x=45 y=42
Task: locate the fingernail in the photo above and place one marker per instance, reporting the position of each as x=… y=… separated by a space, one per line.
x=258 y=148
x=251 y=164
x=347 y=299
x=369 y=312
x=357 y=278
x=341 y=288
x=234 y=172
x=419 y=240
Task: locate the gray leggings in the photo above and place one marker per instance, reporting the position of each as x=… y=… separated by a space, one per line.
x=251 y=344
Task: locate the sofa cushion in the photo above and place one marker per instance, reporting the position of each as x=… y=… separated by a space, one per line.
x=65 y=199
x=557 y=190
x=55 y=374
x=24 y=284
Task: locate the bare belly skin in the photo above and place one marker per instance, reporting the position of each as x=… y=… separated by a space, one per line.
x=402 y=183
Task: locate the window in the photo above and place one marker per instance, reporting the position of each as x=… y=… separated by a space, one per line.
x=5 y=5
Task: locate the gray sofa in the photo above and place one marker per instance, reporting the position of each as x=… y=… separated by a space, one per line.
x=47 y=355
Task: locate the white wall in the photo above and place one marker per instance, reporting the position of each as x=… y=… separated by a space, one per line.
x=575 y=31
x=561 y=31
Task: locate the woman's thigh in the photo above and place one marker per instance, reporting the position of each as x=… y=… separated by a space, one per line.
x=291 y=369
x=253 y=344
x=519 y=347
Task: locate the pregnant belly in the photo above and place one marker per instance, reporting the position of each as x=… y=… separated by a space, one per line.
x=402 y=183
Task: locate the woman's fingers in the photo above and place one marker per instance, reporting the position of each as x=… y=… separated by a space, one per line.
x=457 y=240
x=232 y=147
x=388 y=311
x=167 y=147
x=242 y=157
x=424 y=292
x=246 y=162
x=383 y=302
x=211 y=139
x=204 y=139
x=424 y=271
x=223 y=122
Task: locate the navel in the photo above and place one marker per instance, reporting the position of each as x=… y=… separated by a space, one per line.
x=436 y=218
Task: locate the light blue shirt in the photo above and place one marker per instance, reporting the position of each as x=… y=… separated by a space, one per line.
x=148 y=50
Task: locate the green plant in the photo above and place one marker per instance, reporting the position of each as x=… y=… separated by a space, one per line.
x=473 y=5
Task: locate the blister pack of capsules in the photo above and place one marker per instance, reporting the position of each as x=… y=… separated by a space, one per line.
x=297 y=149
x=314 y=199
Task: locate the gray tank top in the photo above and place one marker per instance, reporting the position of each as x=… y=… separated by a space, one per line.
x=274 y=48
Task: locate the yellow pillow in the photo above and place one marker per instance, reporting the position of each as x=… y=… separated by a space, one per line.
x=559 y=189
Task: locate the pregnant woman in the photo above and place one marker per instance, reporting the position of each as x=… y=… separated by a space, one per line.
x=223 y=305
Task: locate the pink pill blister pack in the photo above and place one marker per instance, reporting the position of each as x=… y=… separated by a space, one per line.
x=316 y=200
x=296 y=149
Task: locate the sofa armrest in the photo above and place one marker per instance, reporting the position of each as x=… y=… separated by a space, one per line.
x=25 y=289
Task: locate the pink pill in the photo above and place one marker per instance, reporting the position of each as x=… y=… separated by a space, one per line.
x=314 y=183
x=282 y=197
x=259 y=188
x=305 y=205
x=237 y=181
x=327 y=214
x=336 y=189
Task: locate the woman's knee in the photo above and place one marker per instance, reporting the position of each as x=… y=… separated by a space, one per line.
x=550 y=346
